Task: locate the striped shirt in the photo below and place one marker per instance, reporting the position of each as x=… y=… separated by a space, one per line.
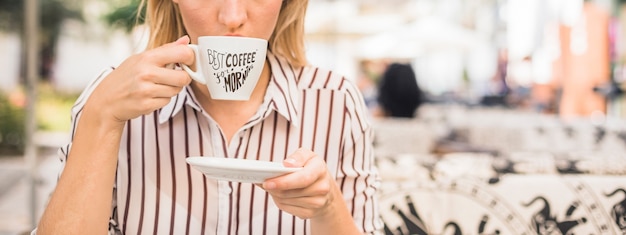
x=157 y=192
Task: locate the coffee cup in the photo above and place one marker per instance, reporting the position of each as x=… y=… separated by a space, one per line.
x=230 y=67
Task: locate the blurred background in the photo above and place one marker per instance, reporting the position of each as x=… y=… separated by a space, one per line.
x=480 y=65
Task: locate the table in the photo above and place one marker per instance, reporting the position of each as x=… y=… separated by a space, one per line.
x=472 y=198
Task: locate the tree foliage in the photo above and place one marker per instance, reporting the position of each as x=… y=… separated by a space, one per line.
x=126 y=17
x=52 y=13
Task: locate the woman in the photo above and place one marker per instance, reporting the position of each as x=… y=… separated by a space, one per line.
x=134 y=126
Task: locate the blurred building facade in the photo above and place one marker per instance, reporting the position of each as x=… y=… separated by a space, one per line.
x=452 y=44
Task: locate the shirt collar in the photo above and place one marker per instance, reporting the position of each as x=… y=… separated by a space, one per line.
x=282 y=93
x=184 y=97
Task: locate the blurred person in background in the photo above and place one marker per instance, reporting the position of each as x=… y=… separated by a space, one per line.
x=499 y=79
x=399 y=95
x=133 y=128
x=499 y=89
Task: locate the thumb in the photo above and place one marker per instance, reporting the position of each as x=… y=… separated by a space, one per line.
x=298 y=158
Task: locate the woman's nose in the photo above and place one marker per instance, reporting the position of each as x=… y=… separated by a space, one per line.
x=233 y=13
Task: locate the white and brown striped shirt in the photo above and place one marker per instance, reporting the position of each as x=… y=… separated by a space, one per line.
x=157 y=192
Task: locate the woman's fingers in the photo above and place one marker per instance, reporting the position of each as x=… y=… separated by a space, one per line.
x=319 y=187
x=313 y=169
x=304 y=207
x=157 y=91
x=142 y=83
x=184 y=40
x=304 y=193
x=305 y=202
x=171 y=53
x=171 y=77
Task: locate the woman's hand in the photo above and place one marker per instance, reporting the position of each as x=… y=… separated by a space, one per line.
x=311 y=193
x=142 y=83
x=307 y=193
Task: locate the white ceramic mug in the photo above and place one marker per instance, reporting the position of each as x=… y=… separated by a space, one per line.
x=229 y=66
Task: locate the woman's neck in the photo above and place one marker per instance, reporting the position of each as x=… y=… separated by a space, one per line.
x=231 y=115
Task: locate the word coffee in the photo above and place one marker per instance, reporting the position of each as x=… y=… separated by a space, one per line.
x=232 y=68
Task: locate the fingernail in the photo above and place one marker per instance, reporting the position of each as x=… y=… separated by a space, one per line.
x=182 y=38
x=290 y=161
x=269 y=185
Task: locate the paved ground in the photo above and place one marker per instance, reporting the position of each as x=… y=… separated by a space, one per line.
x=15 y=190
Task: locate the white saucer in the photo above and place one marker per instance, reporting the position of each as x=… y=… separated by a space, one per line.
x=239 y=170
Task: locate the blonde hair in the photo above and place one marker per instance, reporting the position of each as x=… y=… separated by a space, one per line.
x=166 y=25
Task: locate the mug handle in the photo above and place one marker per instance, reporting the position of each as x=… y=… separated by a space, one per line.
x=195 y=75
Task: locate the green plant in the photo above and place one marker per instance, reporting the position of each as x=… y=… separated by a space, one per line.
x=126 y=16
x=51 y=15
x=53 y=108
x=52 y=113
x=12 y=127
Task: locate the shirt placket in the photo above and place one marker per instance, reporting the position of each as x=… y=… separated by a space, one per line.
x=223 y=188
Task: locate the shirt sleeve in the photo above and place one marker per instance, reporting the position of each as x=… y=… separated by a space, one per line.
x=358 y=176
x=63 y=152
x=114 y=228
